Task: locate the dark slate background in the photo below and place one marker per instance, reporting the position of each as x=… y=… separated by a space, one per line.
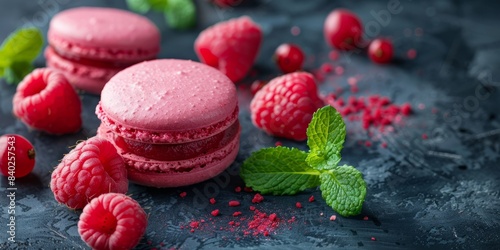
x=440 y=193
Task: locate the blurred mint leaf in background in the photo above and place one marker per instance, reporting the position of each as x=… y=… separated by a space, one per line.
x=179 y=14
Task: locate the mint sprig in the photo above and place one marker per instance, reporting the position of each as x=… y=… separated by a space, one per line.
x=286 y=171
x=18 y=52
x=179 y=14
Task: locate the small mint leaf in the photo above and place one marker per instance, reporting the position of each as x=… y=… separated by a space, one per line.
x=158 y=5
x=139 y=6
x=280 y=171
x=325 y=138
x=343 y=189
x=17 y=71
x=2 y=71
x=22 y=45
x=180 y=14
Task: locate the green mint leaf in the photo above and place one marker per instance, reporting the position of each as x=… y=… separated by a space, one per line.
x=2 y=71
x=180 y=14
x=22 y=45
x=343 y=189
x=17 y=71
x=325 y=138
x=139 y=6
x=158 y=5
x=280 y=171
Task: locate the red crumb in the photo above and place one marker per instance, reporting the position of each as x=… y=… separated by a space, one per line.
x=374 y=239
x=212 y=201
x=248 y=189
x=183 y=194
x=234 y=203
x=237 y=213
x=339 y=70
x=406 y=109
x=421 y=106
x=326 y=68
x=237 y=189
x=194 y=224
x=298 y=205
x=231 y=223
x=295 y=30
x=215 y=212
x=333 y=55
x=333 y=217
x=311 y=199
x=262 y=223
x=257 y=198
x=368 y=143
x=278 y=144
x=411 y=54
x=424 y=136
x=384 y=144
x=252 y=208
x=365 y=218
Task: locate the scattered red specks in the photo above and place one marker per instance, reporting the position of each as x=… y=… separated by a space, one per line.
x=383 y=144
x=298 y=205
x=311 y=199
x=215 y=212
x=237 y=213
x=333 y=217
x=212 y=201
x=373 y=238
x=368 y=144
x=234 y=203
x=295 y=30
x=339 y=70
x=194 y=224
x=237 y=189
x=411 y=54
x=421 y=106
x=232 y=223
x=252 y=208
x=424 y=136
x=257 y=198
x=406 y=109
x=333 y=55
x=326 y=68
x=353 y=82
x=278 y=144
x=248 y=189
x=291 y=219
x=183 y=194
x=262 y=224
x=256 y=86
x=365 y=218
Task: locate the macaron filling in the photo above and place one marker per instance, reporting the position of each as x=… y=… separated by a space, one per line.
x=178 y=151
x=179 y=136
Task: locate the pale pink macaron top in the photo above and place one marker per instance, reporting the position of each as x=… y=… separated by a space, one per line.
x=103 y=33
x=168 y=101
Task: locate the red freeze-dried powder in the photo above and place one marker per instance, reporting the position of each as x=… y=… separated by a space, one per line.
x=262 y=224
x=257 y=198
x=373 y=111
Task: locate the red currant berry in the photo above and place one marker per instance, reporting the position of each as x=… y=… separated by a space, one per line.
x=342 y=29
x=17 y=155
x=289 y=57
x=380 y=50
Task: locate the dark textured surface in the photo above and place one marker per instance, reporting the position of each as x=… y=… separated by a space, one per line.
x=440 y=193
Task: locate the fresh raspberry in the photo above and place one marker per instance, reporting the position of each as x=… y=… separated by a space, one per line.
x=381 y=50
x=289 y=57
x=230 y=46
x=284 y=107
x=92 y=168
x=45 y=100
x=112 y=221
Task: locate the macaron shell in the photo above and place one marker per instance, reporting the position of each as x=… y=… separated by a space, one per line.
x=84 y=77
x=153 y=173
x=104 y=33
x=169 y=96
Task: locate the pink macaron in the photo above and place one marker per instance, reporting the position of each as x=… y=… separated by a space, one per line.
x=90 y=45
x=175 y=122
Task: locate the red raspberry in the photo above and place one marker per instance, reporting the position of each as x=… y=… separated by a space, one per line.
x=112 y=221
x=284 y=107
x=230 y=46
x=380 y=50
x=342 y=29
x=45 y=100
x=17 y=156
x=89 y=170
x=289 y=57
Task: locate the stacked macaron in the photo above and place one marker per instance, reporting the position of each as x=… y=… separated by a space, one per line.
x=175 y=122
x=90 y=45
